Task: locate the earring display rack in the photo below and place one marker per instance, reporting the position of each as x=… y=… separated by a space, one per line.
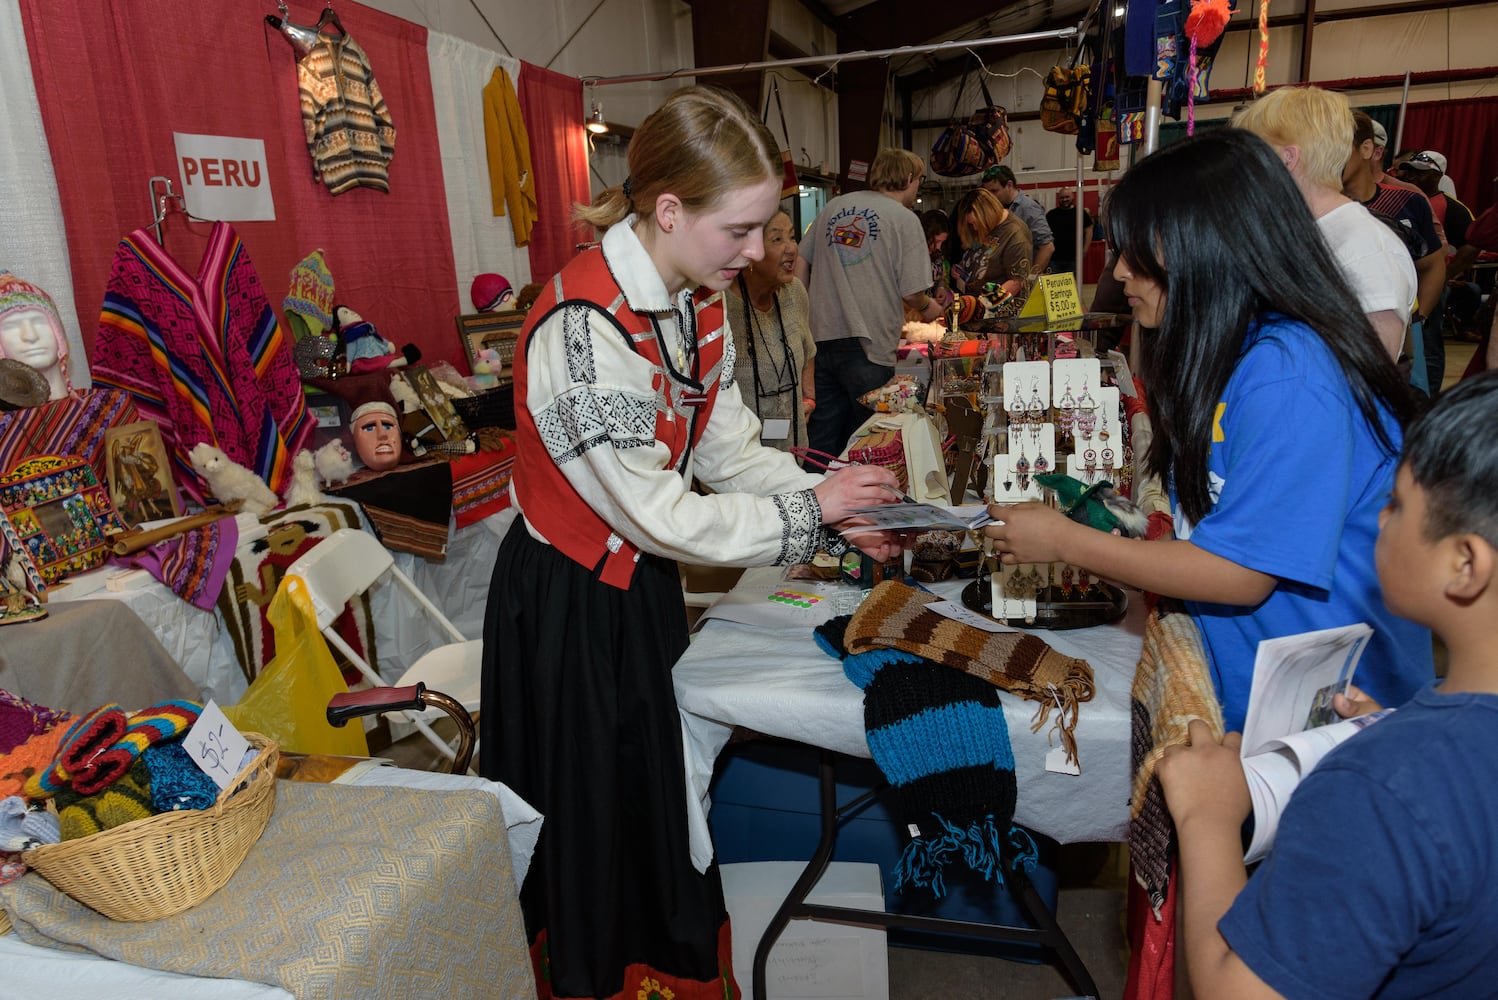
x=1043 y=403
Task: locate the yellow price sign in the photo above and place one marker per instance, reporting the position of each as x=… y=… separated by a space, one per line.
x=1055 y=297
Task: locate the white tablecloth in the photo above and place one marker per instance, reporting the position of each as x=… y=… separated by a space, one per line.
x=198 y=641
x=778 y=682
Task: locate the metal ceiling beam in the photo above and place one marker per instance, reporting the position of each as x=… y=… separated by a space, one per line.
x=834 y=59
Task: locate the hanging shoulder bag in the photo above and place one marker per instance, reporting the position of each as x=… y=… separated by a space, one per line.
x=956 y=152
x=1065 y=100
x=966 y=148
x=990 y=124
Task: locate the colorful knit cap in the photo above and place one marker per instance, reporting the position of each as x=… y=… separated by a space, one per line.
x=89 y=736
x=940 y=738
x=125 y=800
x=17 y=295
x=168 y=720
x=894 y=616
x=177 y=782
x=99 y=748
x=310 y=295
x=165 y=721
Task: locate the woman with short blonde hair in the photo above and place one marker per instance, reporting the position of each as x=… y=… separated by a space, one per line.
x=995 y=249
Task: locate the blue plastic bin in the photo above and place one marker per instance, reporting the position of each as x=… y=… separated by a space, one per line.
x=765 y=808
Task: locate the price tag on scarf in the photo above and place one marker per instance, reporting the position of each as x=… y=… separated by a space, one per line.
x=216 y=746
x=962 y=613
x=1055 y=760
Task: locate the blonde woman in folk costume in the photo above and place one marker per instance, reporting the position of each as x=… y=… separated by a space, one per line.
x=624 y=393
x=768 y=310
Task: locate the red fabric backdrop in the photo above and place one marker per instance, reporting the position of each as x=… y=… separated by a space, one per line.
x=1466 y=131
x=553 y=108
x=116 y=78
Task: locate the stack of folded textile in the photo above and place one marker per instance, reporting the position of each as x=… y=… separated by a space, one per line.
x=102 y=769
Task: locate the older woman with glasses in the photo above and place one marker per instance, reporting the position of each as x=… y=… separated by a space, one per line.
x=768 y=311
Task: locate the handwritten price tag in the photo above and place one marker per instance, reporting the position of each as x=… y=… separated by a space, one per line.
x=215 y=745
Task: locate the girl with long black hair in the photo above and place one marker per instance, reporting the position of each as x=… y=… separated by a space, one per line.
x=1277 y=419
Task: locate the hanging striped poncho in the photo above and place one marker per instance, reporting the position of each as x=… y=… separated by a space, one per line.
x=202 y=355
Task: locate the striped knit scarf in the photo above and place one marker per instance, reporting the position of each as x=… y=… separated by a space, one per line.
x=940 y=739
x=894 y=616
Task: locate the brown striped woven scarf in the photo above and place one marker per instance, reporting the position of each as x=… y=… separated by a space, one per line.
x=895 y=616
x=1172 y=686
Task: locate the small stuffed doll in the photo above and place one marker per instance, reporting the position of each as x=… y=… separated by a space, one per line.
x=366 y=349
x=486 y=369
x=228 y=480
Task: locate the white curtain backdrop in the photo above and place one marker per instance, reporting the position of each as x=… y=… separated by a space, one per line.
x=482 y=242
x=33 y=243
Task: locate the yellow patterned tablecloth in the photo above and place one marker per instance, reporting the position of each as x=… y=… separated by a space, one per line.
x=350 y=893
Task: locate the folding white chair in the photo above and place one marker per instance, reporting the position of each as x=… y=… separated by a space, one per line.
x=347 y=563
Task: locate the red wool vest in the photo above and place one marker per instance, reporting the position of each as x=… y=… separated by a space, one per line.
x=683 y=406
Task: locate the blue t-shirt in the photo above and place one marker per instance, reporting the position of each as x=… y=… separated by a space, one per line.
x=1383 y=880
x=1297 y=479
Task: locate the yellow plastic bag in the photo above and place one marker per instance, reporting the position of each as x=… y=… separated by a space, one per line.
x=288 y=701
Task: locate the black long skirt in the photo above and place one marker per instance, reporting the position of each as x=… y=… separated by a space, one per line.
x=579 y=718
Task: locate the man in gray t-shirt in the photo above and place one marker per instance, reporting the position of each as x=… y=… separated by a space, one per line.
x=1000 y=180
x=863 y=261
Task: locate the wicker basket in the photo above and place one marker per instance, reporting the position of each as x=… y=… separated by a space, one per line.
x=164 y=864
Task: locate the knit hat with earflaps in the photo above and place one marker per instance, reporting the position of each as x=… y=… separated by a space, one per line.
x=309 y=300
x=18 y=295
x=940 y=738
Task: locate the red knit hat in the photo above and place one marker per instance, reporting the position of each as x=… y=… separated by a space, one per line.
x=490 y=291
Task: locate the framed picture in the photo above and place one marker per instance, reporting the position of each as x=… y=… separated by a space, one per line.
x=434 y=402
x=496 y=331
x=60 y=514
x=139 y=474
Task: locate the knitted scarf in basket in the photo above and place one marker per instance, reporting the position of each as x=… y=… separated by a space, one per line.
x=1172 y=686
x=940 y=739
x=895 y=616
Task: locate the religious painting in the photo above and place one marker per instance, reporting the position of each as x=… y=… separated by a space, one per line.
x=140 y=474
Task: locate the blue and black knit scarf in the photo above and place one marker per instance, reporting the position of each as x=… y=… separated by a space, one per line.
x=940 y=738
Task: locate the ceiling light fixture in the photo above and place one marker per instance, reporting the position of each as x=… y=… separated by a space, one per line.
x=595 y=123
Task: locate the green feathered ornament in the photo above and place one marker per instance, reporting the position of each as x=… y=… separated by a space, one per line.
x=1097 y=505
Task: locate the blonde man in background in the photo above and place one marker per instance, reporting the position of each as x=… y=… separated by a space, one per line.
x=1311 y=131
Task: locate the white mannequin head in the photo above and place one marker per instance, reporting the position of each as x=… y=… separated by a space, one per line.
x=31 y=332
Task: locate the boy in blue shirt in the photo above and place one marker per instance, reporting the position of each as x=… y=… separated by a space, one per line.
x=1383 y=880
